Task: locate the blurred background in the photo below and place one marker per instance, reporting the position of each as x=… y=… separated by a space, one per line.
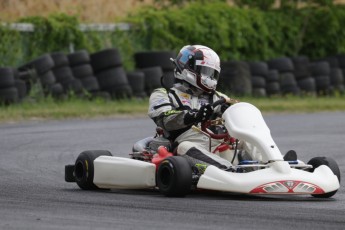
x=267 y=47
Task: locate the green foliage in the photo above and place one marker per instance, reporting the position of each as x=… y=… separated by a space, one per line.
x=233 y=32
x=325 y=32
x=260 y=4
x=167 y=3
x=53 y=33
x=243 y=33
x=10 y=46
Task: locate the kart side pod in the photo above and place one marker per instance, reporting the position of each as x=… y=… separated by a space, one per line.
x=123 y=173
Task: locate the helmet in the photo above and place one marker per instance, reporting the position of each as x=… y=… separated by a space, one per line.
x=199 y=66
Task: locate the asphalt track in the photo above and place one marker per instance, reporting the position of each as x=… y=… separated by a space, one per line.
x=33 y=194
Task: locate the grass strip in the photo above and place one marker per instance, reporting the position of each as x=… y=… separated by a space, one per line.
x=47 y=109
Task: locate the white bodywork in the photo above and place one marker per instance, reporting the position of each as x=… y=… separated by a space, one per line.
x=244 y=122
x=120 y=172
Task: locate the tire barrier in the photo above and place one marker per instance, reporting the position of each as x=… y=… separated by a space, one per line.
x=287 y=81
x=259 y=72
x=81 y=68
x=272 y=83
x=101 y=74
x=64 y=75
x=235 y=78
x=8 y=90
x=321 y=71
x=153 y=77
x=155 y=58
x=111 y=76
x=40 y=71
x=136 y=80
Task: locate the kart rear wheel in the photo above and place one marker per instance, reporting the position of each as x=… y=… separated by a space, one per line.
x=174 y=177
x=318 y=161
x=84 y=170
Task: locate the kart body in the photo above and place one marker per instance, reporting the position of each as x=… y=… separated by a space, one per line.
x=264 y=172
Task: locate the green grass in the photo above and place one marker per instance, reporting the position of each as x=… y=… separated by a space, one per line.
x=85 y=109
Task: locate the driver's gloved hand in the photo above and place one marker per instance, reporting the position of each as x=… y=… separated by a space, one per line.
x=224 y=107
x=196 y=116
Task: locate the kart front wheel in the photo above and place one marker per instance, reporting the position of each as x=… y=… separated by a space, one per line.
x=174 y=176
x=318 y=161
x=84 y=170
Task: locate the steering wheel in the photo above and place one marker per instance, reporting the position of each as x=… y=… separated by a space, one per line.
x=208 y=123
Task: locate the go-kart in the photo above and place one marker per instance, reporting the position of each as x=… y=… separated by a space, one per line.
x=258 y=166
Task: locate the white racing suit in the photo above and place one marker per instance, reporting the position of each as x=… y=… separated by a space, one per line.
x=168 y=108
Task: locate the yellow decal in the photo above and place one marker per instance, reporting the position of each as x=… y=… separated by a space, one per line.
x=171 y=112
x=87 y=165
x=185 y=95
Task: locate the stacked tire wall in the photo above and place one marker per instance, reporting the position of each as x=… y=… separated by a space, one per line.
x=41 y=70
x=157 y=68
x=64 y=75
x=8 y=90
x=79 y=62
x=287 y=80
x=112 y=78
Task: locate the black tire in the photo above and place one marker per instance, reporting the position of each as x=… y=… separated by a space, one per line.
x=56 y=90
x=307 y=85
x=21 y=88
x=258 y=82
x=332 y=61
x=322 y=82
x=105 y=59
x=283 y=64
x=259 y=92
x=155 y=58
x=287 y=79
x=6 y=77
x=82 y=71
x=47 y=78
x=174 y=177
x=258 y=68
x=153 y=77
x=318 y=161
x=78 y=58
x=136 y=80
x=42 y=64
x=74 y=85
x=290 y=90
x=112 y=77
x=90 y=83
x=272 y=76
x=341 y=60
x=69 y=173
x=336 y=77
x=301 y=67
x=8 y=95
x=84 y=170
x=120 y=91
x=235 y=78
x=320 y=68
x=168 y=79
x=60 y=59
x=63 y=74
x=272 y=88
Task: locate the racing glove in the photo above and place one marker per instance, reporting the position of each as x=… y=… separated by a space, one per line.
x=196 y=116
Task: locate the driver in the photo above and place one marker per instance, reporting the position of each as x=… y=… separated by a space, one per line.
x=188 y=103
